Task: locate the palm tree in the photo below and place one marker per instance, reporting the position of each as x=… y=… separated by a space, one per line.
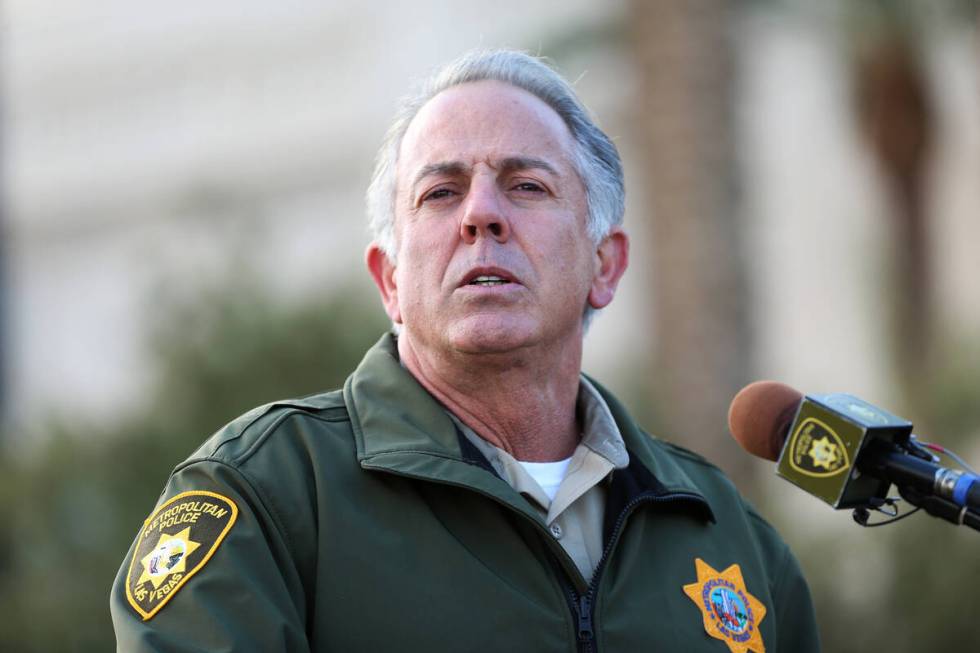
x=683 y=55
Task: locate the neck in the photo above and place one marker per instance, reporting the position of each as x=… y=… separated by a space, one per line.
x=522 y=402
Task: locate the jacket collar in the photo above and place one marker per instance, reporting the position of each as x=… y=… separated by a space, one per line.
x=400 y=428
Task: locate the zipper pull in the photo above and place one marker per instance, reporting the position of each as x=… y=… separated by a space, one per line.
x=585 y=632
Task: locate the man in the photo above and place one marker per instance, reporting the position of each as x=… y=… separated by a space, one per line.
x=469 y=489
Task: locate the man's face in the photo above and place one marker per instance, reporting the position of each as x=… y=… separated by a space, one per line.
x=490 y=219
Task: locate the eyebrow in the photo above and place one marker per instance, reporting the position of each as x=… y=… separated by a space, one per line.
x=441 y=168
x=507 y=164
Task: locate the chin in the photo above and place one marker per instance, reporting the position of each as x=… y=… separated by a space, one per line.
x=491 y=335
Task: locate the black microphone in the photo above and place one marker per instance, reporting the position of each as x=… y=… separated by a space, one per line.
x=847 y=452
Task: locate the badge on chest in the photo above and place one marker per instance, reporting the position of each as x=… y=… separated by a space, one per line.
x=730 y=613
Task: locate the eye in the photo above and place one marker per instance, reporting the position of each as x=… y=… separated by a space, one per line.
x=529 y=186
x=438 y=194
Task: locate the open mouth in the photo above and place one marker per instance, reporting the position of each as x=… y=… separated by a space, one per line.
x=487 y=280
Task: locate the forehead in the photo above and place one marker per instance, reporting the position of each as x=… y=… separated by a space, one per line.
x=484 y=121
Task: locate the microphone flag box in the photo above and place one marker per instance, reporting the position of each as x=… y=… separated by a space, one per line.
x=824 y=442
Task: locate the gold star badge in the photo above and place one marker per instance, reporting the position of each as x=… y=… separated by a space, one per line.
x=730 y=613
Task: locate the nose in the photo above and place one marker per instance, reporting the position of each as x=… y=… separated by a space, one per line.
x=483 y=213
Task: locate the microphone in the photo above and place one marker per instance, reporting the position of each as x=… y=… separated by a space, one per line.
x=847 y=452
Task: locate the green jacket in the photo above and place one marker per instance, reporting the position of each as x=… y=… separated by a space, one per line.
x=362 y=520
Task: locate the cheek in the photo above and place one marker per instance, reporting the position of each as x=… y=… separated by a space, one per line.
x=574 y=256
x=423 y=257
x=425 y=234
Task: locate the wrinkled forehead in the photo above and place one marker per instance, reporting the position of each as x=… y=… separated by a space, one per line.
x=486 y=121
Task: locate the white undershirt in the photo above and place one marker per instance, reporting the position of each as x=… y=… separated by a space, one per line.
x=548 y=475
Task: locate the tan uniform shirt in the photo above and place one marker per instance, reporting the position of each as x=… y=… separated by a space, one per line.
x=575 y=516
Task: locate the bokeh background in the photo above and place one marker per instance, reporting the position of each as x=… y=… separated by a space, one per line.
x=182 y=230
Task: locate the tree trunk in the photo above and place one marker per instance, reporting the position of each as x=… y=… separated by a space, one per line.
x=684 y=59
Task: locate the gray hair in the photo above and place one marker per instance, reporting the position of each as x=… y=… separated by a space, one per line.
x=595 y=157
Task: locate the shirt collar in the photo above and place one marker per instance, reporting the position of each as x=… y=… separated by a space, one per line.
x=600 y=437
x=599 y=430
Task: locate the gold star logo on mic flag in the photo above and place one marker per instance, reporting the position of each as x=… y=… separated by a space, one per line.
x=730 y=613
x=824 y=454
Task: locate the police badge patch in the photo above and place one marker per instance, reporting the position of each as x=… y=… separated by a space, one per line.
x=174 y=544
x=730 y=613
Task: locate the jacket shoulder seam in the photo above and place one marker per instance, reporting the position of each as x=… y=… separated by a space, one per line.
x=269 y=430
x=388 y=452
x=334 y=414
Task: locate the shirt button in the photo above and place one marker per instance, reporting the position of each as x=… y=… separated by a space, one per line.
x=556 y=530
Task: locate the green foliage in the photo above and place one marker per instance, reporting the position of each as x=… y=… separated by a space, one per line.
x=71 y=511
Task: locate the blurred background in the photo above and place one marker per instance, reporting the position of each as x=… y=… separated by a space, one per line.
x=182 y=229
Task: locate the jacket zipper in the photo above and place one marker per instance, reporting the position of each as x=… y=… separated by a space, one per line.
x=583 y=605
x=586 y=636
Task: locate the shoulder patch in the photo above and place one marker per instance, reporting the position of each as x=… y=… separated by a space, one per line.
x=174 y=544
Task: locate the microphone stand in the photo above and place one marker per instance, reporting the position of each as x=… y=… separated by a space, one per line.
x=939 y=507
x=921 y=482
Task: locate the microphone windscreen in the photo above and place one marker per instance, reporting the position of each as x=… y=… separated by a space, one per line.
x=760 y=415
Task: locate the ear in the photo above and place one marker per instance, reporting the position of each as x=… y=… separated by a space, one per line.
x=383 y=272
x=613 y=257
